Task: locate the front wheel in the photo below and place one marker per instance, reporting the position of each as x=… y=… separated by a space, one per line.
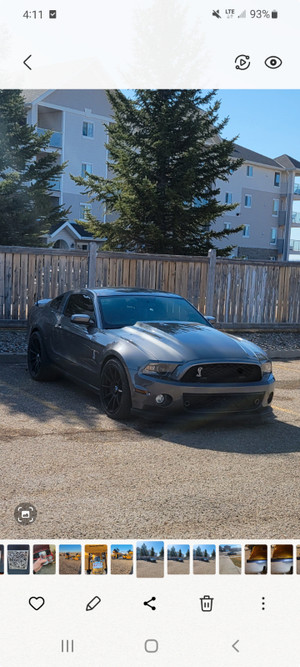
x=114 y=390
x=39 y=366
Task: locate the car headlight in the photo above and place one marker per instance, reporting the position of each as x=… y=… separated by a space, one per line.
x=266 y=368
x=159 y=369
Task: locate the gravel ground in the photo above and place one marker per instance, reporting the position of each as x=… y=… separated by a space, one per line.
x=14 y=341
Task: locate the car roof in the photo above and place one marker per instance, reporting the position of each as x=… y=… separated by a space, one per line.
x=123 y=291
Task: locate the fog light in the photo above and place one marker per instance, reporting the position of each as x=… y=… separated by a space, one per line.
x=270 y=397
x=163 y=400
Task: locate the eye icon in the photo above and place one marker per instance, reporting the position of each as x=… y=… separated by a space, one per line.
x=273 y=62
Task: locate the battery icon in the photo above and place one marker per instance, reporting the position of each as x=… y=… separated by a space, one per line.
x=274 y=14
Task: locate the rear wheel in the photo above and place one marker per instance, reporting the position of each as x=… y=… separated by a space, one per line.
x=114 y=390
x=39 y=365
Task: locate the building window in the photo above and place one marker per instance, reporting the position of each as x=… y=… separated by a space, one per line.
x=273 y=258
x=246 y=231
x=87 y=129
x=86 y=168
x=228 y=198
x=248 y=201
x=273 y=235
x=249 y=170
x=85 y=209
x=277 y=178
x=275 y=207
x=227 y=225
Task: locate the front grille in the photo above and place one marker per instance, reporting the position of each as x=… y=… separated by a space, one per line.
x=222 y=402
x=216 y=373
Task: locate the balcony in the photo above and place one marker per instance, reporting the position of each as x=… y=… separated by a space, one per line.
x=294 y=245
x=297 y=189
x=55 y=139
x=280 y=243
x=296 y=218
x=55 y=184
x=281 y=218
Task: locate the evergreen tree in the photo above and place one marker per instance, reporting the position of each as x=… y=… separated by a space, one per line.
x=26 y=169
x=161 y=553
x=144 y=550
x=165 y=155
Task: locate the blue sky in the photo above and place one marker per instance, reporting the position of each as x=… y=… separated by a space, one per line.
x=156 y=545
x=65 y=548
x=122 y=547
x=184 y=547
x=267 y=121
x=209 y=548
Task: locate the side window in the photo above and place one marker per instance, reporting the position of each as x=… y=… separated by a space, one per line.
x=56 y=303
x=79 y=304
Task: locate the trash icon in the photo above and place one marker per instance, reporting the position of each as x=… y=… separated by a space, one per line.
x=206 y=603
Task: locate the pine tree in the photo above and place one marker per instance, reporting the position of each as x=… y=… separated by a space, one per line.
x=26 y=169
x=165 y=156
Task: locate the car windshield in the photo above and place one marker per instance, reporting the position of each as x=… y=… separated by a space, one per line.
x=120 y=311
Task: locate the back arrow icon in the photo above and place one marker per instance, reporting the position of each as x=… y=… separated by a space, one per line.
x=25 y=62
x=234 y=645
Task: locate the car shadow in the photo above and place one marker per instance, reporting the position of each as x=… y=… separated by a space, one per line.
x=263 y=433
x=74 y=406
x=45 y=402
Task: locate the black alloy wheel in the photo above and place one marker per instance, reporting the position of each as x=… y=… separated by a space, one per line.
x=39 y=365
x=114 y=390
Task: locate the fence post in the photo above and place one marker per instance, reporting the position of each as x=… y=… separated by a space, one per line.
x=92 y=264
x=210 y=286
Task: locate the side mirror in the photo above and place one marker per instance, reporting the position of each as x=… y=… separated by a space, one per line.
x=81 y=318
x=210 y=318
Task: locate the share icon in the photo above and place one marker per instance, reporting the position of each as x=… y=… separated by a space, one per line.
x=147 y=604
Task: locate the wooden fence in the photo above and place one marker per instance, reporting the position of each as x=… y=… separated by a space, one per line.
x=236 y=292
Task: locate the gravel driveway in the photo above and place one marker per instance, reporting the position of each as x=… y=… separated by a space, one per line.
x=90 y=477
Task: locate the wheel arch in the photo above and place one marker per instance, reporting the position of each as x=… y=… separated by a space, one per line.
x=114 y=354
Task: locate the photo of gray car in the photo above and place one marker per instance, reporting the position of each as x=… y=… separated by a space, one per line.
x=145 y=349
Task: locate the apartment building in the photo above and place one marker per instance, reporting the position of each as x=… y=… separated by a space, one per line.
x=266 y=190
x=76 y=118
x=267 y=193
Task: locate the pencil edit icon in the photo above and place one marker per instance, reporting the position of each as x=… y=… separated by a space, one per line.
x=93 y=603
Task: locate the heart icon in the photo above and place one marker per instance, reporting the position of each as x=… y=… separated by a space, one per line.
x=36 y=603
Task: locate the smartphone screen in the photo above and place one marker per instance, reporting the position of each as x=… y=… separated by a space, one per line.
x=149 y=333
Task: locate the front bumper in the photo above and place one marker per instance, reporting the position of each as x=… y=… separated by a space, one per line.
x=213 y=398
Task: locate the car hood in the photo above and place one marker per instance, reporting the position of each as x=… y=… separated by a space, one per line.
x=185 y=341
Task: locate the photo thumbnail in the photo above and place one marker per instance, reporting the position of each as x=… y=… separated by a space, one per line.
x=44 y=559
x=230 y=559
x=150 y=559
x=95 y=558
x=69 y=559
x=178 y=559
x=18 y=559
x=204 y=559
x=256 y=559
x=121 y=559
x=282 y=559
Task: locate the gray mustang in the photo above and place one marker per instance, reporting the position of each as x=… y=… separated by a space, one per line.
x=145 y=349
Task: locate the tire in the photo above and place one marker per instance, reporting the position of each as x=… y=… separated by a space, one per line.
x=114 y=390
x=39 y=365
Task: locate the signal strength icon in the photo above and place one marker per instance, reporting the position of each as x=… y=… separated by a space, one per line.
x=242 y=15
